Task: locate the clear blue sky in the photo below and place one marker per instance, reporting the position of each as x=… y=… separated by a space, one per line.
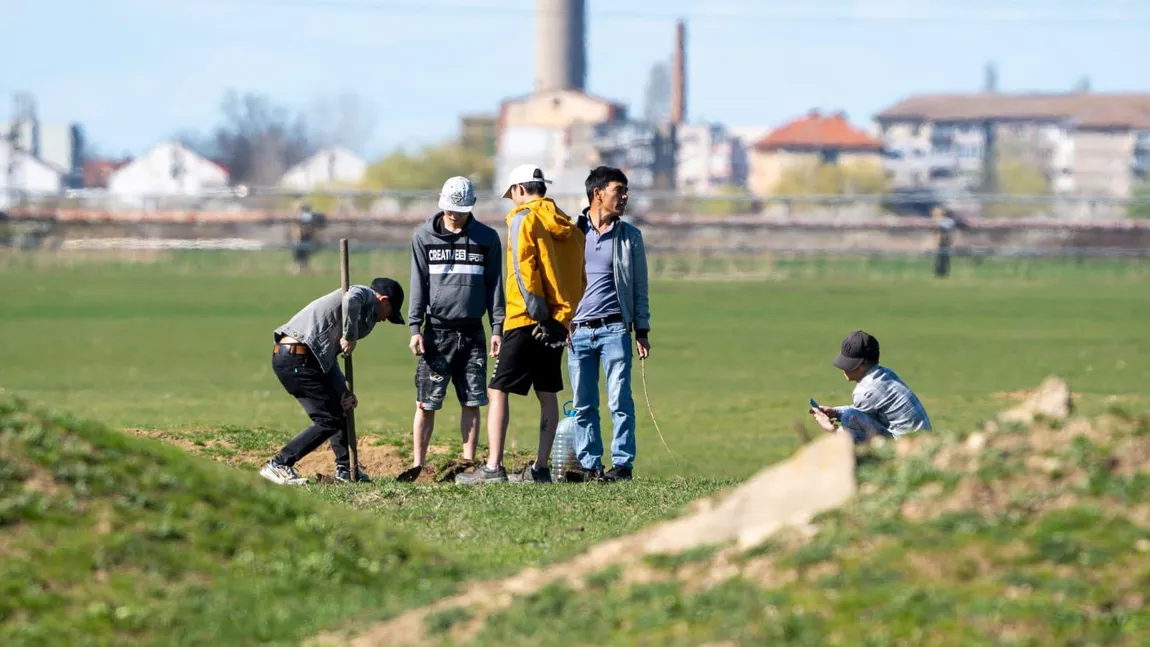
x=136 y=71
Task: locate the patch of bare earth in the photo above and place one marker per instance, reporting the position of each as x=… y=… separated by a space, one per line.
x=41 y=481
x=375 y=460
x=203 y=447
x=378 y=461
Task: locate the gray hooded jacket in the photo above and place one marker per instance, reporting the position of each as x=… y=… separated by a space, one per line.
x=320 y=325
x=455 y=277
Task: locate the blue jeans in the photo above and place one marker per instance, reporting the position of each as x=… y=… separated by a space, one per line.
x=861 y=426
x=610 y=346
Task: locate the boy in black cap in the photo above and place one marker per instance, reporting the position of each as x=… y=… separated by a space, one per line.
x=883 y=404
x=305 y=359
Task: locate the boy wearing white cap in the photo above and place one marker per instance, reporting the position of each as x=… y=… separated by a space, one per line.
x=456 y=278
x=545 y=281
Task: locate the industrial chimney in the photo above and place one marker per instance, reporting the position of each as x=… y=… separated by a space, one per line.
x=560 y=45
x=679 y=76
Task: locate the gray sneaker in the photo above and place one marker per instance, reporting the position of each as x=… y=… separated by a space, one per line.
x=282 y=474
x=531 y=475
x=482 y=474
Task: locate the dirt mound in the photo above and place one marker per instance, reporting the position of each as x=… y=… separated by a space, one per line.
x=1031 y=469
x=819 y=477
x=447 y=473
x=1051 y=401
x=376 y=460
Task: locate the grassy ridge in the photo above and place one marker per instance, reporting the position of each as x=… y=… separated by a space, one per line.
x=109 y=539
x=1019 y=537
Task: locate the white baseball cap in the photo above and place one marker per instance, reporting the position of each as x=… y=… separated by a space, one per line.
x=523 y=174
x=458 y=195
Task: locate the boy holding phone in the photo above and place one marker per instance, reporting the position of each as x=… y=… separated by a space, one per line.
x=883 y=404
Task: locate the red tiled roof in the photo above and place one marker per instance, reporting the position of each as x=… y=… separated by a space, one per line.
x=832 y=132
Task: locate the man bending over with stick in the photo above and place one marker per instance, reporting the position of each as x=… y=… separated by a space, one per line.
x=545 y=280
x=305 y=361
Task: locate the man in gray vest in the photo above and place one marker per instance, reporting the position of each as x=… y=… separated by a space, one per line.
x=305 y=359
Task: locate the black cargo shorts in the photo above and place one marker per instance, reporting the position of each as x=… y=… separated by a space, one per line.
x=452 y=355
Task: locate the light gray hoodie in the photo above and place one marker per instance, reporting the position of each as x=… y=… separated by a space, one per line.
x=455 y=277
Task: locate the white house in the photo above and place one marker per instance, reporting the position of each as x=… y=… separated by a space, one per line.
x=169 y=169
x=332 y=166
x=22 y=172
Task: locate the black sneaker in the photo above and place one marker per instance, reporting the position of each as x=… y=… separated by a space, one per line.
x=617 y=474
x=531 y=475
x=482 y=474
x=343 y=475
x=580 y=474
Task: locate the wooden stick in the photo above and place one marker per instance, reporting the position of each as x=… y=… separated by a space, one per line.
x=348 y=371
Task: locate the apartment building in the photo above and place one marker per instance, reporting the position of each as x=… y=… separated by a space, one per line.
x=709 y=159
x=1084 y=143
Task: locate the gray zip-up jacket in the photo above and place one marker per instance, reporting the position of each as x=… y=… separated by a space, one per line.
x=630 y=269
x=319 y=326
x=456 y=277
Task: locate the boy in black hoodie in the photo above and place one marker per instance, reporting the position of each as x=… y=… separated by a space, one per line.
x=456 y=277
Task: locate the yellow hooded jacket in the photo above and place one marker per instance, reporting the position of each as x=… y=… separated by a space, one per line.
x=545 y=272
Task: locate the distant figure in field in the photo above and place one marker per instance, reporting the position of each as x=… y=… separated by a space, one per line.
x=883 y=404
x=305 y=234
x=305 y=359
x=947 y=223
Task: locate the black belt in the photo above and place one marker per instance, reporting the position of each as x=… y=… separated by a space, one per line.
x=462 y=325
x=599 y=323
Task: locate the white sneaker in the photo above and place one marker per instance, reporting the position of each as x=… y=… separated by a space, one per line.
x=282 y=474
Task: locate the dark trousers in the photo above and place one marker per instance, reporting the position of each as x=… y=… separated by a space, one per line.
x=303 y=378
x=942 y=262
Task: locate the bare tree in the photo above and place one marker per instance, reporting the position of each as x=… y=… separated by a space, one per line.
x=257 y=139
x=657 y=96
x=347 y=120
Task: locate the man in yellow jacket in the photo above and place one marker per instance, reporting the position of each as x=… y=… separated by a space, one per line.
x=545 y=282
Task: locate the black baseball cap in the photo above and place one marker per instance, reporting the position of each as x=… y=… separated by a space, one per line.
x=394 y=293
x=858 y=347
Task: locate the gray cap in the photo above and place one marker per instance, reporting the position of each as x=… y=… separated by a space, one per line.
x=458 y=195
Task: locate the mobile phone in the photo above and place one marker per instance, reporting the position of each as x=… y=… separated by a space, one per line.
x=814 y=405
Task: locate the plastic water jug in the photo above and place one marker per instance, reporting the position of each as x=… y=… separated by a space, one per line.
x=563 y=451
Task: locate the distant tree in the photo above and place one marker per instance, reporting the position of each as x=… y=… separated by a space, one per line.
x=428 y=167
x=346 y=120
x=657 y=96
x=832 y=179
x=1019 y=172
x=728 y=201
x=257 y=140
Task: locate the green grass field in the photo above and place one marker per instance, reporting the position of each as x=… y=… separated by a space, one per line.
x=178 y=345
